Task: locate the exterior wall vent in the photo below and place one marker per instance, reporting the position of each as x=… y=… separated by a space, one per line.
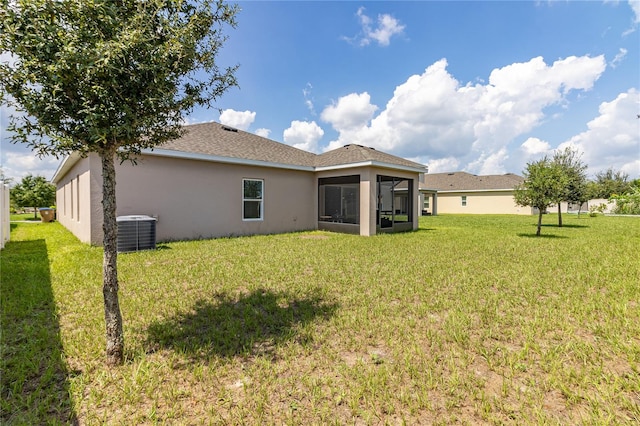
x=136 y=232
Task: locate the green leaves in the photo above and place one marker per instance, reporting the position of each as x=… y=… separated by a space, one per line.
x=89 y=74
x=544 y=180
x=33 y=191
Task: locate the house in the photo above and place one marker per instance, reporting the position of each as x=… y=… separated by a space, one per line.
x=219 y=181
x=461 y=192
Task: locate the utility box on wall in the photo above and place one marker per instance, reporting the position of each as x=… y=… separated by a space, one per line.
x=136 y=232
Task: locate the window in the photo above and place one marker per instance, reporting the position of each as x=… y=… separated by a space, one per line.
x=72 y=193
x=425 y=203
x=252 y=199
x=78 y=198
x=339 y=199
x=464 y=201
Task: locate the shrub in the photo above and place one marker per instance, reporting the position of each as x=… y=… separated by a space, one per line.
x=628 y=203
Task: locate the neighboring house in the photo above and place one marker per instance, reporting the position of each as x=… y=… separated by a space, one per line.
x=218 y=181
x=461 y=192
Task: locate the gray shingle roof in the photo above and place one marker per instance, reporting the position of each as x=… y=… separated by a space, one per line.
x=463 y=181
x=223 y=141
x=218 y=140
x=350 y=154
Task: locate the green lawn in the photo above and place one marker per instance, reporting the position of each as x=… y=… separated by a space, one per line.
x=24 y=216
x=470 y=320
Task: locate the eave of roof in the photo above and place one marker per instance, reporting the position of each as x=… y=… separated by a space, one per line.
x=65 y=165
x=221 y=159
x=443 y=191
x=222 y=144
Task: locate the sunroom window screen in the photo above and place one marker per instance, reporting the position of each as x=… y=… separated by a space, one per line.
x=339 y=199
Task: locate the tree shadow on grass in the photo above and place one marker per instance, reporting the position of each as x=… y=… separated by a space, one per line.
x=548 y=236
x=34 y=380
x=252 y=324
x=564 y=225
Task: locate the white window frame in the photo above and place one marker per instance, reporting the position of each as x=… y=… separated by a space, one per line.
x=260 y=200
x=464 y=201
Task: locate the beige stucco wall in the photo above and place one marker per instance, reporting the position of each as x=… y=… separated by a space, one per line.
x=490 y=202
x=73 y=200
x=198 y=199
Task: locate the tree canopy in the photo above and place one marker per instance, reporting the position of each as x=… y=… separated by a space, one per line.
x=544 y=180
x=609 y=183
x=33 y=191
x=575 y=174
x=113 y=78
x=92 y=75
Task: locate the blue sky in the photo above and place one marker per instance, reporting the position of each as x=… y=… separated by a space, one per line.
x=478 y=86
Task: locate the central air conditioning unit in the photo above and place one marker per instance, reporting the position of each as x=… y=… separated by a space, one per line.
x=136 y=232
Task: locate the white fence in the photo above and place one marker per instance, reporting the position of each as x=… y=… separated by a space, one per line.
x=5 y=227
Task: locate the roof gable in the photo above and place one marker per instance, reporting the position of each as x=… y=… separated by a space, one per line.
x=356 y=154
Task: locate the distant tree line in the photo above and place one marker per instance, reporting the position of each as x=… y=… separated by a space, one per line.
x=562 y=178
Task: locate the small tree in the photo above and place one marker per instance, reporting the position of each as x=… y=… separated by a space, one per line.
x=610 y=182
x=33 y=191
x=575 y=175
x=543 y=180
x=112 y=78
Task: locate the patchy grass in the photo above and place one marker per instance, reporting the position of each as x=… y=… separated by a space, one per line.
x=471 y=319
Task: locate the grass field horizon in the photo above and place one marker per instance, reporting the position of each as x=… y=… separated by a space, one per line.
x=469 y=320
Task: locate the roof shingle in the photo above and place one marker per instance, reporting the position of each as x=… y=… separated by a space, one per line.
x=218 y=140
x=463 y=181
x=223 y=141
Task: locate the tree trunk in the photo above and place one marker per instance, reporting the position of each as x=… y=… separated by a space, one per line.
x=112 y=316
x=539 y=223
x=559 y=214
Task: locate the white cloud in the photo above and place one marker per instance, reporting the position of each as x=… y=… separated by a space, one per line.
x=489 y=164
x=238 y=119
x=612 y=138
x=308 y=98
x=351 y=112
x=381 y=32
x=535 y=147
x=635 y=7
x=263 y=132
x=619 y=57
x=441 y=165
x=433 y=117
x=303 y=135
x=17 y=165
